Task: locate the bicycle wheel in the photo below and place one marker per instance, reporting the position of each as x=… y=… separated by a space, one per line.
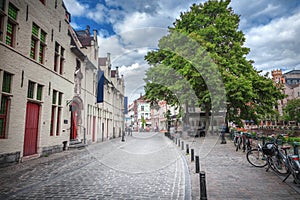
x=239 y=143
x=235 y=141
x=278 y=165
x=256 y=158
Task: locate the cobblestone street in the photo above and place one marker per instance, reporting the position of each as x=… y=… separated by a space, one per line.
x=230 y=176
x=145 y=166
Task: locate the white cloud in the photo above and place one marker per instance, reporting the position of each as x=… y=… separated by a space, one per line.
x=75 y=8
x=134 y=83
x=275 y=45
x=271 y=29
x=97 y=14
x=74 y=25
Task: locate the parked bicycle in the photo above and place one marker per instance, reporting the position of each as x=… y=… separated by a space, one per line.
x=242 y=140
x=293 y=165
x=276 y=158
x=256 y=156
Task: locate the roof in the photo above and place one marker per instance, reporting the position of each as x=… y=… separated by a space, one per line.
x=293 y=72
x=85 y=41
x=85 y=37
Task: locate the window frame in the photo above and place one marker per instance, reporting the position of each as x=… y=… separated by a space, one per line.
x=39 y=37
x=33 y=47
x=56 y=113
x=30 y=89
x=4 y=115
x=59 y=58
x=6 y=94
x=10 y=37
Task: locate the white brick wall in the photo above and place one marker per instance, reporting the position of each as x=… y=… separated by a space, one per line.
x=15 y=60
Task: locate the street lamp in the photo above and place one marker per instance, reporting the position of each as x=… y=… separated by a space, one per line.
x=123 y=131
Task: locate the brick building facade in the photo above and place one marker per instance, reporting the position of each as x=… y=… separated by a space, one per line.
x=48 y=81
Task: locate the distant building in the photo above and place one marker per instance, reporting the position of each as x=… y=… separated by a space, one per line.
x=291 y=86
x=292 y=77
x=141 y=112
x=113 y=104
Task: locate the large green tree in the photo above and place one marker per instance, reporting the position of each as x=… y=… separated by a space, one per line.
x=206 y=38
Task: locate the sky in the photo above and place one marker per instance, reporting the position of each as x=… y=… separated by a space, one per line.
x=128 y=29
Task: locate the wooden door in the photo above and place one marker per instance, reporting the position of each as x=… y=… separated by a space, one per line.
x=31 y=129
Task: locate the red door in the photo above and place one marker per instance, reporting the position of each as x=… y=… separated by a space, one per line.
x=31 y=129
x=73 y=134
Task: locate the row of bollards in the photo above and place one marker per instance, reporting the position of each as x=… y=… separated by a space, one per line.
x=203 y=194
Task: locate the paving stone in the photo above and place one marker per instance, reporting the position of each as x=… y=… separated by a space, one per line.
x=230 y=176
x=146 y=166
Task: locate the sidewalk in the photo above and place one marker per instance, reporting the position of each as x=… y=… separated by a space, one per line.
x=230 y=176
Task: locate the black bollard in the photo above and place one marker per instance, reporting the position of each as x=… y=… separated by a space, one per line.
x=192 y=155
x=203 y=195
x=187 y=149
x=178 y=142
x=182 y=145
x=197 y=163
x=123 y=136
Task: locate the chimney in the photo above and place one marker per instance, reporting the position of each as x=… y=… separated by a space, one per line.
x=87 y=30
x=117 y=72
x=108 y=60
x=95 y=34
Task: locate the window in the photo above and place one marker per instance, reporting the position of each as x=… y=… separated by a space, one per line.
x=30 y=90
x=55 y=123
x=3 y=115
x=142 y=108
x=59 y=99
x=58 y=121
x=11 y=25
x=1 y=26
x=52 y=121
x=33 y=48
x=10 y=34
x=6 y=85
x=42 y=46
x=38 y=43
x=35 y=91
x=2 y=16
x=5 y=101
x=62 y=59
x=39 y=92
x=2 y=5
x=59 y=58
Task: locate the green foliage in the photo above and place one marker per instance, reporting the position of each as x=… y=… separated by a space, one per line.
x=292 y=110
x=143 y=122
x=204 y=51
